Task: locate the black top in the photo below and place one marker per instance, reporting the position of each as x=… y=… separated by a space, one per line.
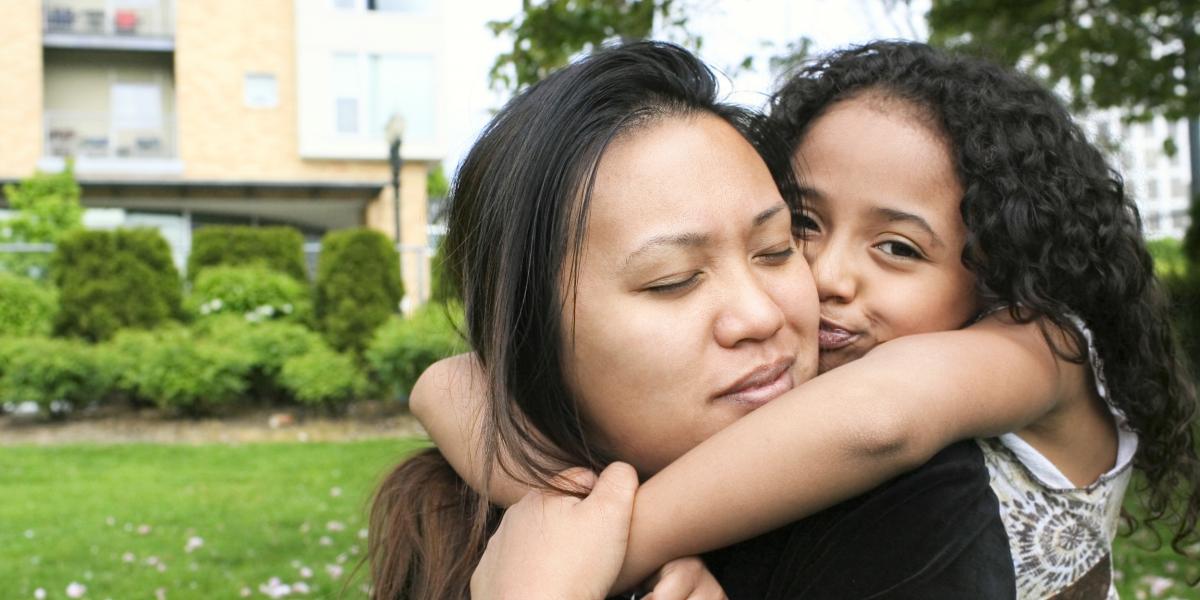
x=932 y=533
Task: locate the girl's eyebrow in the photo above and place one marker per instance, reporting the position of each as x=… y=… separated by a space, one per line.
x=893 y=215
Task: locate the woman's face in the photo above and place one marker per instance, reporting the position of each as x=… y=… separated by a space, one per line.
x=883 y=234
x=691 y=305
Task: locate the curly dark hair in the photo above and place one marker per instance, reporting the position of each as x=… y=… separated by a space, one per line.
x=1051 y=234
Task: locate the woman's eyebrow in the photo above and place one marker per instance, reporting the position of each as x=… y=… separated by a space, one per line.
x=766 y=215
x=686 y=240
x=893 y=215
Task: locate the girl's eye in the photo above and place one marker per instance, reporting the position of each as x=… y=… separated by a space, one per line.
x=899 y=249
x=674 y=286
x=804 y=225
x=778 y=258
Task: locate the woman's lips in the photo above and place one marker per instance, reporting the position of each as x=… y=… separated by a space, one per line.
x=764 y=385
x=832 y=336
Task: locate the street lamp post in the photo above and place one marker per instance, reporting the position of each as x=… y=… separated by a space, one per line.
x=395 y=136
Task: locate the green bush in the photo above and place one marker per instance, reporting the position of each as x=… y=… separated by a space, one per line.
x=108 y=280
x=171 y=368
x=322 y=376
x=442 y=289
x=277 y=248
x=1184 y=291
x=402 y=348
x=45 y=207
x=26 y=307
x=253 y=292
x=358 y=286
x=57 y=374
x=269 y=345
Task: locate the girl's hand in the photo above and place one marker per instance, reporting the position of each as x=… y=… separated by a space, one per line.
x=685 y=579
x=560 y=547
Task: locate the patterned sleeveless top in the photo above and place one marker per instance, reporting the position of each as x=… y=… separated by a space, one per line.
x=1060 y=534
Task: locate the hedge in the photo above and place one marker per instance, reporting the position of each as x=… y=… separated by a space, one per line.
x=277 y=248
x=173 y=369
x=253 y=292
x=57 y=374
x=322 y=376
x=404 y=347
x=358 y=286
x=27 y=308
x=108 y=280
x=268 y=344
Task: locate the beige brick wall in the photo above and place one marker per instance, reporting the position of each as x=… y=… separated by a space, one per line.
x=217 y=43
x=20 y=87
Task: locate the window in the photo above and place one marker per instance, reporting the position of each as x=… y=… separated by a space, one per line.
x=260 y=90
x=369 y=89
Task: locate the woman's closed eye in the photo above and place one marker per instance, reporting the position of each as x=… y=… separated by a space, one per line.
x=899 y=249
x=673 y=285
x=777 y=258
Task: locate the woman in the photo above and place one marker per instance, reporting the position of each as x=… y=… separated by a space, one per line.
x=631 y=287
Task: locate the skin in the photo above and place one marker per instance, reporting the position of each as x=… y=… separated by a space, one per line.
x=689 y=282
x=883 y=234
x=692 y=307
x=909 y=395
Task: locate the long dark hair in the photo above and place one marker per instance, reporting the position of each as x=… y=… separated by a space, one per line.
x=1051 y=234
x=518 y=210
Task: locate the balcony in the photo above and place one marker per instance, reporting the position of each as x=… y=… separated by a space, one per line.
x=145 y=25
x=111 y=143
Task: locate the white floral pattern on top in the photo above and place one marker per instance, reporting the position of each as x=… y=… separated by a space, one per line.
x=1059 y=533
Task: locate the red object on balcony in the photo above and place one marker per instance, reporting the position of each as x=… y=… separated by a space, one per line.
x=125 y=20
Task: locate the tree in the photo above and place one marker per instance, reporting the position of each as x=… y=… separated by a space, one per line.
x=1142 y=56
x=545 y=35
x=46 y=206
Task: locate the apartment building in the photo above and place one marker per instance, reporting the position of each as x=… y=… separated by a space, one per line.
x=1160 y=183
x=179 y=114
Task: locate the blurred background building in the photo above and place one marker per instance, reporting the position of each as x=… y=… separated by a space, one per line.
x=1158 y=181
x=183 y=114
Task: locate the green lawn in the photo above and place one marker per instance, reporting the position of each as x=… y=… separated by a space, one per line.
x=118 y=520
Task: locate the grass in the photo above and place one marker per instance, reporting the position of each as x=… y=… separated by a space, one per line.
x=118 y=518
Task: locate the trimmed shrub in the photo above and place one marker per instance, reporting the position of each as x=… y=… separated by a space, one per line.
x=403 y=348
x=442 y=289
x=173 y=369
x=253 y=292
x=277 y=248
x=108 y=280
x=44 y=206
x=27 y=307
x=322 y=376
x=57 y=374
x=1184 y=291
x=358 y=286
x=269 y=345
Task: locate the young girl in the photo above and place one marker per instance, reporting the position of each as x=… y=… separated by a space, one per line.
x=1012 y=224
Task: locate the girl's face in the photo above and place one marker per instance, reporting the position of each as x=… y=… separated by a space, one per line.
x=884 y=235
x=692 y=305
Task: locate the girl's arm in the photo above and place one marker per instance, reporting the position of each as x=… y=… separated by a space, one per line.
x=448 y=401
x=845 y=432
x=829 y=439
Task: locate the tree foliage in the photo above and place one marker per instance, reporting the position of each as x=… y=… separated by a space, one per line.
x=1138 y=55
x=45 y=207
x=546 y=34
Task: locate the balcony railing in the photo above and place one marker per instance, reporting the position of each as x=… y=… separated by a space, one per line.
x=111 y=18
x=93 y=134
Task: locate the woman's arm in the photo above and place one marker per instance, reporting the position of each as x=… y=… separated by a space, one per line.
x=845 y=432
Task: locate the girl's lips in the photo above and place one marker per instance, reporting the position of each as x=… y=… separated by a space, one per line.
x=832 y=337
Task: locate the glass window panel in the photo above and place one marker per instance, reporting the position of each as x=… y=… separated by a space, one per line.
x=406 y=85
x=408 y=6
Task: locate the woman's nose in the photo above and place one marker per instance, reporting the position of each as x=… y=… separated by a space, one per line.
x=749 y=313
